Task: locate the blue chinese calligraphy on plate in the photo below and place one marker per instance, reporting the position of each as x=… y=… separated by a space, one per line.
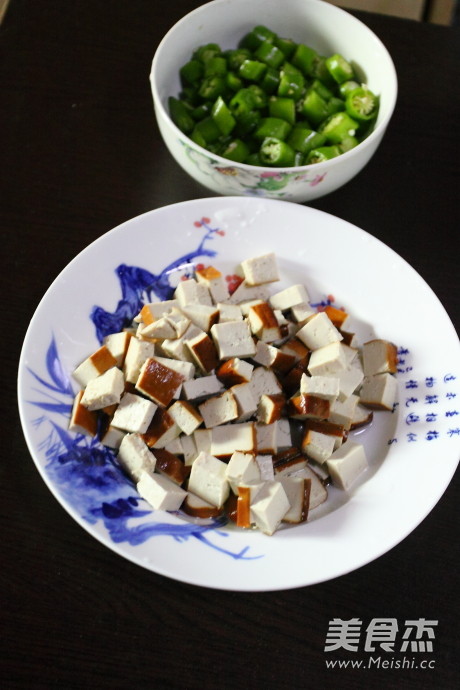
x=412 y=451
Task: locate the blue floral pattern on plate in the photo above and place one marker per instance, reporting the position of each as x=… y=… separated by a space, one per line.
x=86 y=472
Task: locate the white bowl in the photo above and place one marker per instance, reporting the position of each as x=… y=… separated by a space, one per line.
x=324 y=27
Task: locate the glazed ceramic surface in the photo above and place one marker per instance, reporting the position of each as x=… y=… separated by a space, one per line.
x=412 y=451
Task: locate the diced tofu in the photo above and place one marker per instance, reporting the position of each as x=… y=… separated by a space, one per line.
x=289 y=297
x=104 y=390
x=233 y=339
x=306 y=405
x=318 y=492
x=170 y=466
x=189 y=449
x=203 y=352
x=177 y=349
x=134 y=413
x=203 y=387
x=295 y=348
x=283 y=434
x=342 y=412
x=269 y=507
x=135 y=457
x=327 y=360
x=242 y=468
x=155 y=310
x=185 y=416
x=246 y=403
x=198 y=507
x=175 y=446
x=202 y=315
x=246 y=306
x=158 y=382
x=214 y=281
x=326 y=387
x=138 y=352
x=263 y=322
x=219 y=410
x=161 y=328
x=266 y=438
x=94 y=365
x=349 y=381
x=379 y=392
x=191 y=292
x=261 y=269
x=318 y=446
x=264 y=382
x=112 y=437
x=185 y=369
x=346 y=464
x=265 y=465
x=379 y=357
x=178 y=321
x=208 y=479
x=245 y=292
x=337 y=431
x=270 y=408
x=117 y=344
x=160 y=492
x=301 y=313
x=298 y=494
x=339 y=317
x=203 y=438
x=82 y=420
x=230 y=437
x=234 y=370
x=229 y=312
x=288 y=461
x=318 y=331
x=273 y=358
x=363 y=415
x=162 y=430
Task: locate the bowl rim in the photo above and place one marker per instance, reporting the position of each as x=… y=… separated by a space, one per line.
x=377 y=132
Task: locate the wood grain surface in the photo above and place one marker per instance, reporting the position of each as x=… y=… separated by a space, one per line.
x=81 y=154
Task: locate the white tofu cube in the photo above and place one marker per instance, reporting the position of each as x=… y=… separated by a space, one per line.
x=104 y=390
x=185 y=416
x=203 y=316
x=245 y=401
x=94 y=365
x=117 y=344
x=134 y=413
x=214 y=281
x=261 y=269
x=229 y=312
x=134 y=456
x=290 y=297
x=160 y=492
x=112 y=437
x=161 y=328
x=342 y=412
x=326 y=387
x=155 y=310
x=298 y=493
x=379 y=392
x=266 y=469
x=189 y=449
x=301 y=312
x=218 y=410
x=191 y=292
x=264 y=382
x=245 y=292
x=346 y=464
x=266 y=438
x=226 y=439
x=327 y=360
x=138 y=352
x=185 y=369
x=269 y=507
x=204 y=352
x=318 y=331
x=283 y=434
x=263 y=322
x=379 y=357
x=203 y=438
x=242 y=468
x=318 y=446
x=82 y=420
x=203 y=387
x=234 y=370
x=233 y=339
x=208 y=479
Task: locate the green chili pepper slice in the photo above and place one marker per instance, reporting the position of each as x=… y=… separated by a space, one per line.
x=258 y=35
x=215 y=66
x=361 y=104
x=207 y=51
x=304 y=139
x=276 y=152
x=347 y=86
x=339 y=68
x=304 y=58
x=321 y=154
x=338 y=127
x=252 y=70
x=211 y=87
x=291 y=84
x=180 y=115
x=283 y=108
x=222 y=116
x=314 y=108
x=272 y=127
x=286 y=45
x=236 y=57
x=191 y=72
x=237 y=150
x=270 y=55
x=270 y=80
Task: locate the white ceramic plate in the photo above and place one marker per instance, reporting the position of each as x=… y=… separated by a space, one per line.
x=412 y=452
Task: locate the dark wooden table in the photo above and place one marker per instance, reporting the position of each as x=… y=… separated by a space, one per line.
x=81 y=154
